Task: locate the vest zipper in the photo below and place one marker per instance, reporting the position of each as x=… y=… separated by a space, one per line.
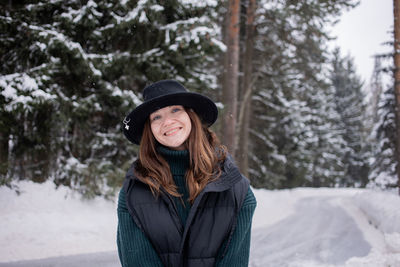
x=176 y=217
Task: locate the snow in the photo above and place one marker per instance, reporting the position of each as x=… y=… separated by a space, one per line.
x=134 y=13
x=375 y=213
x=74 y=164
x=219 y=44
x=196 y=3
x=45 y=221
x=15 y=86
x=157 y=8
x=384 y=218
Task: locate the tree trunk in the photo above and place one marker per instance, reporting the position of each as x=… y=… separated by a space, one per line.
x=245 y=108
x=230 y=85
x=396 y=10
x=4 y=136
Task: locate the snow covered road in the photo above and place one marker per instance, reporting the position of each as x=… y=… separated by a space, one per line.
x=319 y=231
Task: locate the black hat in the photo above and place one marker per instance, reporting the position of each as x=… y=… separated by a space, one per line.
x=162 y=94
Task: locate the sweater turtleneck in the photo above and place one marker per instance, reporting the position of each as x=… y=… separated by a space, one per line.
x=178 y=161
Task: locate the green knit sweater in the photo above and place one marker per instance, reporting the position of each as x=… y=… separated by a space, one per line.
x=135 y=249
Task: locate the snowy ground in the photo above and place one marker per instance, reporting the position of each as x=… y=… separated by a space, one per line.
x=326 y=227
x=295 y=228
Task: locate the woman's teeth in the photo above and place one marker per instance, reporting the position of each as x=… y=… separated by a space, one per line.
x=171 y=131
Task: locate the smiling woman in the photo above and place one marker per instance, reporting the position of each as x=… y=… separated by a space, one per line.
x=184 y=201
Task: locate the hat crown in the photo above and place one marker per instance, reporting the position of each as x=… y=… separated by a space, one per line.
x=162 y=88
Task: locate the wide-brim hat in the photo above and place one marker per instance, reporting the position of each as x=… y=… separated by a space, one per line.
x=162 y=94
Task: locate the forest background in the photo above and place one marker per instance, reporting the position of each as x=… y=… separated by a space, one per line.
x=293 y=112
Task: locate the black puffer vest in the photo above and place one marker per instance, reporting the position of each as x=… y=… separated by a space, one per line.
x=211 y=220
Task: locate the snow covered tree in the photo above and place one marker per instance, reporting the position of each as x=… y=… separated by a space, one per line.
x=384 y=133
x=294 y=140
x=383 y=173
x=373 y=93
x=396 y=75
x=349 y=101
x=72 y=69
x=382 y=126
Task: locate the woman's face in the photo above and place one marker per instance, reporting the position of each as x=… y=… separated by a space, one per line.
x=171 y=126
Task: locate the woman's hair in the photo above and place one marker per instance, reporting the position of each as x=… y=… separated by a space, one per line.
x=205 y=152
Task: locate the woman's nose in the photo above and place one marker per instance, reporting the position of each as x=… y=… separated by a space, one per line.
x=167 y=120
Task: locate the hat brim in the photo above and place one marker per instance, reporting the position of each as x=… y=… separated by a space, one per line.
x=204 y=107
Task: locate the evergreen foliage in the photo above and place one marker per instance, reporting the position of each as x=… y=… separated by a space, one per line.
x=72 y=69
x=351 y=108
x=295 y=138
x=384 y=165
x=380 y=122
x=382 y=137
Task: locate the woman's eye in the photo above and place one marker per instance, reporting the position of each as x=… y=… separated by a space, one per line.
x=175 y=110
x=156 y=118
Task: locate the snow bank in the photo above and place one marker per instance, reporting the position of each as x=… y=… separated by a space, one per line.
x=382 y=208
x=44 y=222
x=383 y=211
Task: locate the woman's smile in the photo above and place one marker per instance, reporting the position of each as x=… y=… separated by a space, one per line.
x=172 y=131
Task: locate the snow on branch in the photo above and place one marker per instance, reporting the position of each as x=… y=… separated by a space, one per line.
x=19 y=89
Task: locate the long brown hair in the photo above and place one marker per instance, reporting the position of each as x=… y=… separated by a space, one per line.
x=205 y=151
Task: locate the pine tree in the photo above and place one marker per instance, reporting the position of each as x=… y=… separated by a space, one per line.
x=72 y=69
x=382 y=118
x=396 y=75
x=381 y=130
x=293 y=134
x=383 y=169
x=349 y=105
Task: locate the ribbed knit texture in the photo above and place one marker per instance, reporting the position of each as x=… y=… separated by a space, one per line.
x=135 y=249
x=178 y=161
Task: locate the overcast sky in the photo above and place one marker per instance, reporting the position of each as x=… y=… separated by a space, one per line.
x=361 y=32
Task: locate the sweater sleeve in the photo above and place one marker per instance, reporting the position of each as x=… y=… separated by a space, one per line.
x=238 y=251
x=134 y=249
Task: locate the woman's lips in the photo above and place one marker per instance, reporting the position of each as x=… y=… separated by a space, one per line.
x=172 y=131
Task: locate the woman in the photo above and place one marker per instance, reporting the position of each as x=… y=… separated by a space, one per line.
x=183 y=202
